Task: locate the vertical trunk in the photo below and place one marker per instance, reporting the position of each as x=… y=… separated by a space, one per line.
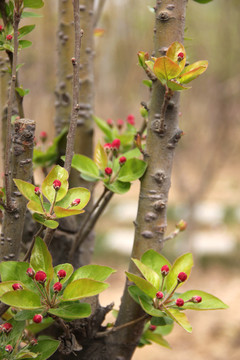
x=151 y=219
x=13 y=222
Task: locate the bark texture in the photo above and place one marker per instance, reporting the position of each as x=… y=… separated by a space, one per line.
x=13 y=222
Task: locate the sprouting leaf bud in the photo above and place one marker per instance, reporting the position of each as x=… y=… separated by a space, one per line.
x=159 y=295
x=75 y=202
x=179 y=302
x=181 y=225
x=37 y=318
x=17 y=286
x=61 y=274
x=164 y=270
x=9 y=348
x=30 y=272
x=57 y=287
x=57 y=184
x=37 y=191
x=108 y=171
x=182 y=276
x=41 y=277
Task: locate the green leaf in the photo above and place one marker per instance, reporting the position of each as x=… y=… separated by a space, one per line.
x=75 y=193
x=71 y=311
x=26 y=314
x=67 y=267
x=14 y=336
x=203 y=1
x=61 y=212
x=209 y=302
x=34 y=4
x=149 y=274
x=118 y=187
x=82 y=288
x=148 y=83
x=8 y=47
x=16 y=271
x=100 y=157
x=6 y=286
x=45 y=348
x=25 y=30
x=104 y=127
x=23 y=299
x=165 y=324
x=155 y=261
x=134 y=153
x=166 y=69
x=52 y=224
x=27 y=14
x=157 y=338
x=36 y=207
x=27 y=190
x=150 y=309
x=183 y=263
x=57 y=173
x=180 y=318
x=41 y=259
x=94 y=272
x=143 y=285
x=132 y=170
x=25 y=354
x=36 y=328
x=23 y=44
x=86 y=166
x=137 y=294
x=174 y=49
x=175 y=86
x=192 y=71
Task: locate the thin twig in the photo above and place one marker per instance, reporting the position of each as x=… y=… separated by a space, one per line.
x=86 y=219
x=38 y=233
x=75 y=105
x=172 y=235
x=92 y=221
x=117 y=328
x=7 y=167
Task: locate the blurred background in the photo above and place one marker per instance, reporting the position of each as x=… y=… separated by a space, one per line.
x=205 y=186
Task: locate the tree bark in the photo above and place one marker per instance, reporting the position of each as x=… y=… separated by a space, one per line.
x=13 y=221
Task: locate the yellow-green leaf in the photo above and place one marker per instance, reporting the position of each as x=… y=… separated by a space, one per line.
x=82 y=288
x=166 y=69
x=183 y=264
x=57 y=173
x=143 y=285
x=209 y=302
x=192 y=71
x=149 y=274
x=180 y=318
x=174 y=49
x=100 y=157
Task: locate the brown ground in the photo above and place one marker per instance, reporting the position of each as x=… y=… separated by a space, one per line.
x=216 y=334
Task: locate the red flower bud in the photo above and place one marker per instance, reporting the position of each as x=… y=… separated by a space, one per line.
x=180 y=56
x=43 y=136
x=61 y=274
x=37 y=191
x=107 y=147
x=41 y=277
x=120 y=123
x=7 y=327
x=76 y=202
x=159 y=295
x=164 y=270
x=37 y=318
x=122 y=160
x=196 y=299
x=116 y=144
x=179 y=302
x=1 y=28
x=131 y=119
x=57 y=184
x=182 y=276
x=57 y=287
x=181 y=225
x=152 y=327
x=9 y=37
x=110 y=122
x=30 y=272
x=33 y=342
x=17 y=287
x=9 y=348
x=108 y=171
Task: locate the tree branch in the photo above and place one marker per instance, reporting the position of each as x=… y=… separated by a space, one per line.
x=75 y=105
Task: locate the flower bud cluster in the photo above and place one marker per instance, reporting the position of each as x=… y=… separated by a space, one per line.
x=120 y=123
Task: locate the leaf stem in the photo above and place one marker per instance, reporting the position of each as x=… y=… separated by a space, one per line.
x=38 y=233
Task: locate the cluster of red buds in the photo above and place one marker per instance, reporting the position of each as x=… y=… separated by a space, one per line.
x=114 y=149
x=167 y=300
x=120 y=123
x=40 y=277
